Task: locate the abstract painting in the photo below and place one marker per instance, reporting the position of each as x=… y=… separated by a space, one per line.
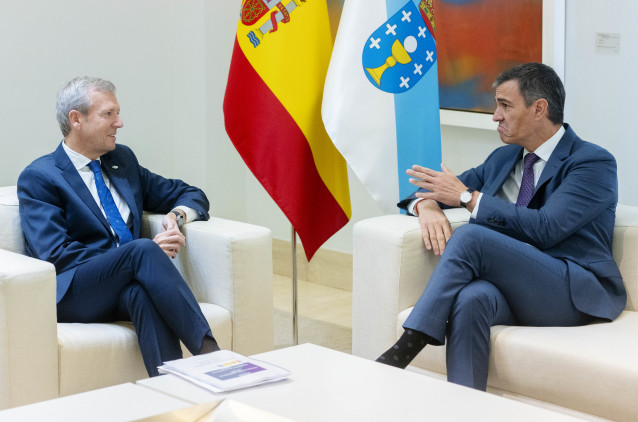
x=477 y=40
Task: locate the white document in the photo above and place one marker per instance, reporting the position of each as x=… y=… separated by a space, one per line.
x=224 y=371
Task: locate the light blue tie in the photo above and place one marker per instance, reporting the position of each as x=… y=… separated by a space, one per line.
x=110 y=209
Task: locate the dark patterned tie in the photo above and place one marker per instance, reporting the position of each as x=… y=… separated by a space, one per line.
x=110 y=209
x=527 y=184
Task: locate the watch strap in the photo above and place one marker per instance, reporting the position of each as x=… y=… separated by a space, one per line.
x=179 y=217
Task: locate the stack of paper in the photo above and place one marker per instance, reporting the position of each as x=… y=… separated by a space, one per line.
x=224 y=371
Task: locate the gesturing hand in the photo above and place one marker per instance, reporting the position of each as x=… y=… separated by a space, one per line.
x=443 y=186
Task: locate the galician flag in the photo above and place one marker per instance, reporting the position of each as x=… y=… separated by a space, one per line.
x=272 y=111
x=381 y=99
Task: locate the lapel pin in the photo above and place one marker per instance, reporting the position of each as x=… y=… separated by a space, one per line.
x=114 y=167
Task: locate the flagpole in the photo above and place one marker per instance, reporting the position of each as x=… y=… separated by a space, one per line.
x=295 y=327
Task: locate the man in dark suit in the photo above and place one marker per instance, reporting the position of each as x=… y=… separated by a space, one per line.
x=537 y=251
x=81 y=209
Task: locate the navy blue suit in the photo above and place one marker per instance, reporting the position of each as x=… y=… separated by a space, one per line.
x=98 y=281
x=549 y=264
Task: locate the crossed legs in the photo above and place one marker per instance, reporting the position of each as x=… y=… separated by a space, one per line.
x=138 y=281
x=485 y=278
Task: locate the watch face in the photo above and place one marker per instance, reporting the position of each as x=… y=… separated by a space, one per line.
x=466 y=197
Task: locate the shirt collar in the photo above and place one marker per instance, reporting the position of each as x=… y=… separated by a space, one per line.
x=79 y=161
x=545 y=150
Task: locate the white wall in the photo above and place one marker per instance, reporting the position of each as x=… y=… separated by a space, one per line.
x=170 y=59
x=601 y=88
x=227 y=174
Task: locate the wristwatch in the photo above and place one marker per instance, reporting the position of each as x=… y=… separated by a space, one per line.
x=179 y=218
x=466 y=196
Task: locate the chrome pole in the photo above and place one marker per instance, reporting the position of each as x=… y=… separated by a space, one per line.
x=295 y=326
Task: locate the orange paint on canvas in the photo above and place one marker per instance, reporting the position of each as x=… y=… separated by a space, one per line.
x=476 y=40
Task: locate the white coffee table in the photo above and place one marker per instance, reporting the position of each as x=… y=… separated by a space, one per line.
x=327 y=385
x=124 y=402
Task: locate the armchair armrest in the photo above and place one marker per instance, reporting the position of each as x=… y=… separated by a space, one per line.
x=229 y=263
x=390 y=270
x=28 y=330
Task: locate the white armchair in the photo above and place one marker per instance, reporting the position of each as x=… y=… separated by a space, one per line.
x=227 y=264
x=591 y=369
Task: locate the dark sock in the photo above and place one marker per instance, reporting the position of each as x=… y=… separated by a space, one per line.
x=208 y=345
x=405 y=349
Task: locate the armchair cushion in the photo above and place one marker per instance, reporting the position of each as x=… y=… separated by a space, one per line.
x=114 y=345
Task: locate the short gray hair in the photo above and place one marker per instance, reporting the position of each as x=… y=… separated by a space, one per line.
x=74 y=95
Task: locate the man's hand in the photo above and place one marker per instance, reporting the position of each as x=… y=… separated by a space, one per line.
x=435 y=227
x=443 y=186
x=170 y=220
x=171 y=239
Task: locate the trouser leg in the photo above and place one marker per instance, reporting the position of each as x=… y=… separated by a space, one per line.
x=477 y=307
x=157 y=341
x=94 y=293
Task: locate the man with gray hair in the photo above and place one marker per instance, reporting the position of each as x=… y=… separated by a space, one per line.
x=81 y=209
x=537 y=249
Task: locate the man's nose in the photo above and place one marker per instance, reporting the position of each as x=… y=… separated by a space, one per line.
x=119 y=123
x=497 y=116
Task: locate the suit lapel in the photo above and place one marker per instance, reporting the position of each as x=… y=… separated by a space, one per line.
x=70 y=174
x=560 y=153
x=117 y=175
x=509 y=162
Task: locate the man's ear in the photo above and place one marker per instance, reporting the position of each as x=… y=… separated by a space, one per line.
x=75 y=119
x=541 y=108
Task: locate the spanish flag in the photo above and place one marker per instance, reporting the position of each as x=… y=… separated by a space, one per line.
x=272 y=111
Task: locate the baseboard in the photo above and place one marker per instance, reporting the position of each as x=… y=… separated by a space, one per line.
x=328 y=267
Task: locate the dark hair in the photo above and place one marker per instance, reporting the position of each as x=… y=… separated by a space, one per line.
x=535 y=81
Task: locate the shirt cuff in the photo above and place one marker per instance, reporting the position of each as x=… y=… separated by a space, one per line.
x=412 y=206
x=476 y=206
x=191 y=214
